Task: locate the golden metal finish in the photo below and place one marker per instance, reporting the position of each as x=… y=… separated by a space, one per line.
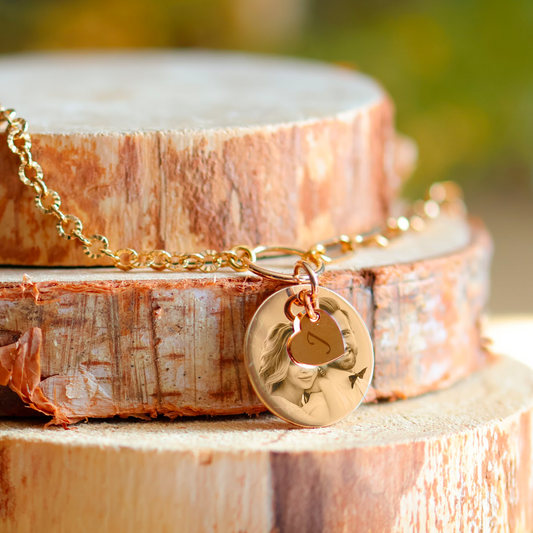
x=441 y=196
x=296 y=393
x=311 y=276
x=284 y=251
x=315 y=342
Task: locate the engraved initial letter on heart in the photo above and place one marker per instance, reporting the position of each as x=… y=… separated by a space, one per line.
x=311 y=336
x=315 y=343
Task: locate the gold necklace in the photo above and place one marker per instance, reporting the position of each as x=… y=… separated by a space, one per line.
x=322 y=353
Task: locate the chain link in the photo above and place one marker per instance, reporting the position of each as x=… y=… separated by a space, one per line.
x=441 y=196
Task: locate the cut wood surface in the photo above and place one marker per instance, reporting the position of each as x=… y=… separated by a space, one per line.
x=187 y=151
x=457 y=460
x=147 y=343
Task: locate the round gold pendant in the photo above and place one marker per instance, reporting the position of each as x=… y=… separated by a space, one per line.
x=306 y=394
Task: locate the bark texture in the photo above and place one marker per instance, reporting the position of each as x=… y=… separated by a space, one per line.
x=149 y=344
x=233 y=150
x=460 y=459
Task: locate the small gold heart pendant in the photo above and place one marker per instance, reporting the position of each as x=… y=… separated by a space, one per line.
x=315 y=342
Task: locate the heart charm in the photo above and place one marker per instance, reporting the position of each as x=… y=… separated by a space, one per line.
x=315 y=343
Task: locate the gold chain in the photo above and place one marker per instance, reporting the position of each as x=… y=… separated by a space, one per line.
x=240 y=258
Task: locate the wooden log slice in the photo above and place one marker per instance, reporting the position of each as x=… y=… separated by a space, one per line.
x=187 y=151
x=460 y=459
x=99 y=343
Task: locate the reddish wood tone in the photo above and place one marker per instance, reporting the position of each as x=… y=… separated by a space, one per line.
x=293 y=181
x=455 y=460
x=130 y=346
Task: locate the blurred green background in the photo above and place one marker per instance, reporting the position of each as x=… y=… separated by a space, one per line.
x=460 y=72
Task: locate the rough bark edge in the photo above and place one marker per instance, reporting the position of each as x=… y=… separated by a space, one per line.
x=20 y=370
x=367 y=276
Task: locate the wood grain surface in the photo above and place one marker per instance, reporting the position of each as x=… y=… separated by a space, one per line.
x=455 y=460
x=187 y=151
x=144 y=343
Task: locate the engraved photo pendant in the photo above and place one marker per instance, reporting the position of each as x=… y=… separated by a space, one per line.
x=304 y=394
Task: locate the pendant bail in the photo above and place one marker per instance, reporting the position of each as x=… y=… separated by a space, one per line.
x=306 y=298
x=312 y=277
x=309 y=299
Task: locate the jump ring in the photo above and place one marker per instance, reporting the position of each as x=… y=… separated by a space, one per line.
x=310 y=307
x=240 y=263
x=312 y=277
x=288 y=304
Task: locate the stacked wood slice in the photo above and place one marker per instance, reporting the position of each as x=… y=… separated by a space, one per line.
x=455 y=460
x=202 y=151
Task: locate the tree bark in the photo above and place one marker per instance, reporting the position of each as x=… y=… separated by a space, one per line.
x=146 y=343
x=187 y=151
x=455 y=460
